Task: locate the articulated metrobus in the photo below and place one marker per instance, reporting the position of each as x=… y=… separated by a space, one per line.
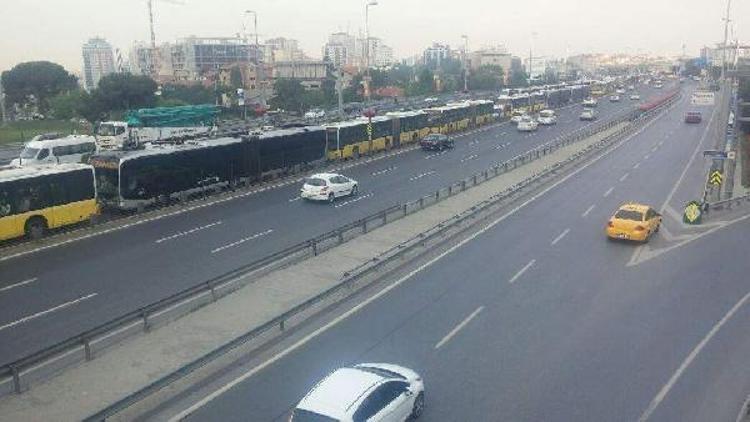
x=33 y=200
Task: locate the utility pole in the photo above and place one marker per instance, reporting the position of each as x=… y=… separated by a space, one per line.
x=726 y=35
x=340 y=89
x=466 y=62
x=367 y=48
x=2 y=104
x=259 y=74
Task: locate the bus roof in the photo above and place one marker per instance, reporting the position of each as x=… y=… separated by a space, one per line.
x=66 y=140
x=356 y=122
x=18 y=173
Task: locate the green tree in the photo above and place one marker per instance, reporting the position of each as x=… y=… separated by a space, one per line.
x=519 y=78
x=423 y=85
x=744 y=89
x=353 y=92
x=68 y=105
x=123 y=91
x=191 y=94
x=42 y=80
x=551 y=76
x=486 y=78
x=290 y=94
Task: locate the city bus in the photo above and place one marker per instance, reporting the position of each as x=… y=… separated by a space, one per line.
x=33 y=200
x=135 y=179
x=352 y=138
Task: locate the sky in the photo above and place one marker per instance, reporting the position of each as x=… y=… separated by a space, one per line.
x=55 y=29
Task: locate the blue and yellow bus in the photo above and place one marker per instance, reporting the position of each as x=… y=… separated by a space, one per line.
x=33 y=200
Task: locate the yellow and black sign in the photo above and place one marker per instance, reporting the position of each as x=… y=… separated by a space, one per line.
x=369 y=131
x=693 y=213
x=715 y=178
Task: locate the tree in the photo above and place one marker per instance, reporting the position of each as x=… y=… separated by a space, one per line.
x=551 y=76
x=744 y=89
x=68 y=105
x=289 y=94
x=123 y=91
x=519 y=78
x=42 y=80
x=424 y=83
x=486 y=78
x=191 y=94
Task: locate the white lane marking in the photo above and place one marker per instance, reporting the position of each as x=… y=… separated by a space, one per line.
x=661 y=143
x=241 y=241
x=19 y=284
x=606 y=194
x=187 y=232
x=689 y=359
x=301 y=342
x=458 y=327
x=50 y=310
x=351 y=201
x=521 y=271
x=636 y=165
x=588 y=210
x=296 y=198
x=421 y=175
x=383 y=171
x=469 y=158
x=647 y=156
x=624 y=176
x=654 y=149
x=559 y=237
x=431 y=156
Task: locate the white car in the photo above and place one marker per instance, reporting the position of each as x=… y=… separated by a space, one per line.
x=620 y=91
x=588 y=114
x=369 y=391
x=635 y=97
x=614 y=98
x=527 y=124
x=631 y=87
x=517 y=116
x=328 y=187
x=547 y=117
x=589 y=102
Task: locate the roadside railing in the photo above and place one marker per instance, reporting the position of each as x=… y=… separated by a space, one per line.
x=83 y=347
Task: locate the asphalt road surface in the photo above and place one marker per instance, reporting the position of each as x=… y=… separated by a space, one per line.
x=52 y=294
x=557 y=323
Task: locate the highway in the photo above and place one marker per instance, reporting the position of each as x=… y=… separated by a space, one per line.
x=541 y=318
x=51 y=294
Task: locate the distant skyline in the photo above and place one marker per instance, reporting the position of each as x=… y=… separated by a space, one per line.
x=55 y=30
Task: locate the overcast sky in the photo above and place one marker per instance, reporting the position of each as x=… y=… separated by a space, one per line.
x=55 y=29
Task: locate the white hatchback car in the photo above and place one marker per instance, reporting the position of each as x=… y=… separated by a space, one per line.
x=547 y=117
x=328 y=187
x=527 y=124
x=365 y=392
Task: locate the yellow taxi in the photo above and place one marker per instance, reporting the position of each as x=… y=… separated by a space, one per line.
x=633 y=221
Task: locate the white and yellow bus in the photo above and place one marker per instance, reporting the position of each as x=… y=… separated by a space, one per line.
x=33 y=200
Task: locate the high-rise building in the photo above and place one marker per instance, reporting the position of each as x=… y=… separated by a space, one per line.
x=340 y=50
x=285 y=50
x=98 y=61
x=193 y=56
x=436 y=54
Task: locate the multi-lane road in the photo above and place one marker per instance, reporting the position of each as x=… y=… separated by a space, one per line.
x=539 y=317
x=51 y=294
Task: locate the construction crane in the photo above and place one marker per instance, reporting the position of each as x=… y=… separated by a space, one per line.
x=154 y=63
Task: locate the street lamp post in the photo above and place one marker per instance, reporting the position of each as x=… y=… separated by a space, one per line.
x=466 y=62
x=258 y=68
x=367 y=47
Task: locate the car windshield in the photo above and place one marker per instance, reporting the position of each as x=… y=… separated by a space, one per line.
x=315 y=181
x=629 y=215
x=29 y=153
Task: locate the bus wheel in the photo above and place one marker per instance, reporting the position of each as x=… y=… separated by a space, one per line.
x=35 y=227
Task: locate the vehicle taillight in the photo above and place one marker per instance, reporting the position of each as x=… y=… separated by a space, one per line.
x=639 y=228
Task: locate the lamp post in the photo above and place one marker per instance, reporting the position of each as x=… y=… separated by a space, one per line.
x=466 y=62
x=258 y=68
x=367 y=47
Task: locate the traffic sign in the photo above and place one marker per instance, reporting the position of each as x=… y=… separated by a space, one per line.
x=693 y=213
x=702 y=98
x=715 y=178
x=369 y=131
x=714 y=153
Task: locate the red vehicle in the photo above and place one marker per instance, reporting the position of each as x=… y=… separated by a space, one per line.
x=693 y=117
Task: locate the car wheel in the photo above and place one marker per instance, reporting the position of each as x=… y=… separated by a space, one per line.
x=331 y=197
x=355 y=190
x=35 y=227
x=418 y=407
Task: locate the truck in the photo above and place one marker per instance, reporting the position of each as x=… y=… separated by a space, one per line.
x=157 y=125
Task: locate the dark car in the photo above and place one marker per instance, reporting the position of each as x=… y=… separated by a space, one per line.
x=693 y=117
x=436 y=142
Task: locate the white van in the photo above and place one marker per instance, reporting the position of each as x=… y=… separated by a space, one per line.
x=68 y=149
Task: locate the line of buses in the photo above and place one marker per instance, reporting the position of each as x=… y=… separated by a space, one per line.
x=38 y=198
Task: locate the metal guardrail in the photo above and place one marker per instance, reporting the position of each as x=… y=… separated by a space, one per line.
x=310 y=247
x=350 y=277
